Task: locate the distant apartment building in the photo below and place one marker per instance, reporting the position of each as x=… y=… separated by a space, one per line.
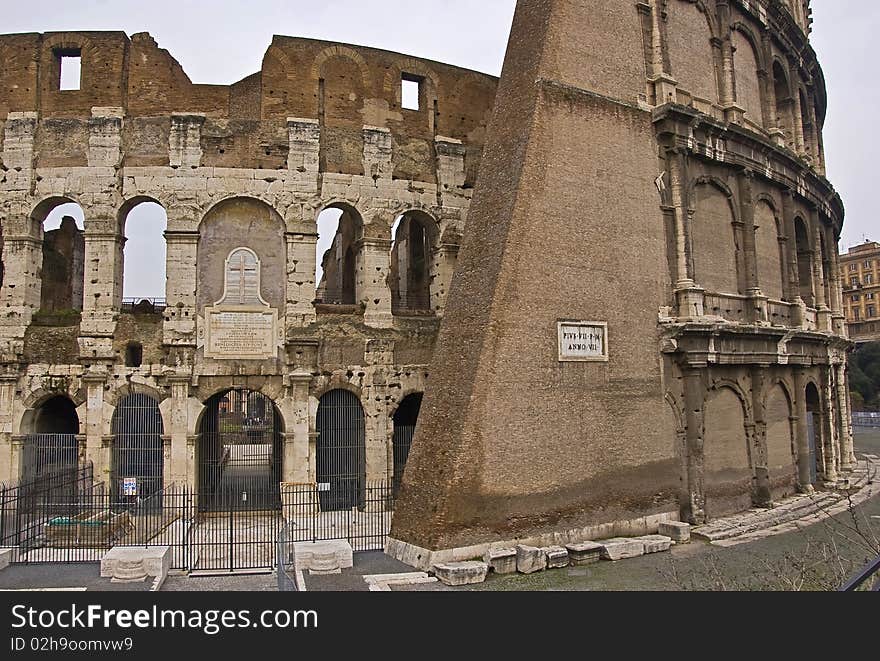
x=860 y=275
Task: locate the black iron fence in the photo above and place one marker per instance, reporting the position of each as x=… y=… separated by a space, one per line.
x=49 y=454
x=65 y=516
x=144 y=305
x=286 y=570
x=866 y=419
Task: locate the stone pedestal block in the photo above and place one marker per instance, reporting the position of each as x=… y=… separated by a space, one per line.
x=461 y=573
x=324 y=557
x=134 y=563
x=620 y=548
x=501 y=561
x=584 y=553
x=678 y=532
x=6 y=556
x=557 y=557
x=530 y=559
x=656 y=543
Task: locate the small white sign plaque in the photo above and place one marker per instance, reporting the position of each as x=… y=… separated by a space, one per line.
x=583 y=341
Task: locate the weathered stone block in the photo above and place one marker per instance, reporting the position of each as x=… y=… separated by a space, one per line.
x=530 y=559
x=620 y=548
x=584 y=553
x=316 y=555
x=678 y=532
x=121 y=562
x=557 y=557
x=656 y=543
x=501 y=561
x=461 y=573
x=6 y=557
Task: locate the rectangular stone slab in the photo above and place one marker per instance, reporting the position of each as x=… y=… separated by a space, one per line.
x=620 y=548
x=584 y=553
x=656 y=543
x=461 y=573
x=679 y=532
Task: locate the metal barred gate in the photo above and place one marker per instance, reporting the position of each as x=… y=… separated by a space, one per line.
x=341 y=452
x=137 y=459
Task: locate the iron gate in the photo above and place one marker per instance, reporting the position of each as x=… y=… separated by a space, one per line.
x=138 y=454
x=48 y=454
x=341 y=452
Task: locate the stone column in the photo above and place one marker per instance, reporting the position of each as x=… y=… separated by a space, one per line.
x=797 y=119
x=21 y=290
x=97 y=449
x=664 y=84
x=441 y=275
x=823 y=312
x=805 y=484
x=176 y=414
x=847 y=455
x=8 y=469
x=180 y=316
x=297 y=454
x=374 y=265
x=301 y=265
x=693 y=510
x=689 y=295
x=102 y=289
x=758 y=435
x=830 y=440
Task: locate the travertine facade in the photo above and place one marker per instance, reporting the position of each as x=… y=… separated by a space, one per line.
x=656 y=166
x=250 y=166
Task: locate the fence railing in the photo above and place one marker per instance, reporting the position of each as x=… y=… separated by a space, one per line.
x=870 y=570
x=144 y=305
x=286 y=570
x=866 y=419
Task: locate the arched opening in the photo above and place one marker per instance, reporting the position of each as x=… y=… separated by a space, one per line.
x=51 y=447
x=240 y=452
x=768 y=251
x=784 y=102
x=62 y=226
x=143 y=261
x=806 y=123
x=341 y=451
x=814 y=431
x=691 y=54
x=781 y=453
x=727 y=469
x=414 y=237
x=137 y=460
x=405 y=418
x=804 y=249
x=339 y=229
x=714 y=243
x=748 y=84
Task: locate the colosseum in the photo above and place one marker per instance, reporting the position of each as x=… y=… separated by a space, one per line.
x=315 y=213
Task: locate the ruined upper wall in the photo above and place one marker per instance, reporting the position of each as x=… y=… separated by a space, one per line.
x=344 y=87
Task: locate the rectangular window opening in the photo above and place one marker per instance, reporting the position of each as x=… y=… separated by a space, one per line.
x=70 y=69
x=411 y=91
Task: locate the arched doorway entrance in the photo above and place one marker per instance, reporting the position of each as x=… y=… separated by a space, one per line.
x=240 y=452
x=51 y=448
x=814 y=431
x=405 y=418
x=138 y=458
x=341 y=451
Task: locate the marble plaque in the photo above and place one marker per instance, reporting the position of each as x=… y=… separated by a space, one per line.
x=583 y=341
x=240 y=334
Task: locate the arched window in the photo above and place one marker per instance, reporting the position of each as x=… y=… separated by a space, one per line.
x=339 y=228
x=412 y=254
x=691 y=54
x=714 y=244
x=748 y=86
x=804 y=261
x=784 y=102
x=768 y=252
x=64 y=248
x=144 y=224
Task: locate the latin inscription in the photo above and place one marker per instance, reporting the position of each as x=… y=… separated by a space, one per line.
x=583 y=341
x=240 y=334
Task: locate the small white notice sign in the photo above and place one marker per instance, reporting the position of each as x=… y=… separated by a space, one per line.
x=129 y=486
x=583 y=341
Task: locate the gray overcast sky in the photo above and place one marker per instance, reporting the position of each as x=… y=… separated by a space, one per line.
x=223 y=41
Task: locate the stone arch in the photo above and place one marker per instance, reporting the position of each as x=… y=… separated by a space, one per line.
x=348 y=53
x=727 y=461
x=780 y=439
x=769 y=248
x=115 y=395
x=338 y=254
x=748 y=63
x=713 y=240
x=805 y=253
x=137 y=250
x=784 y=109
x=693 y=60
x=223 y=228
x=62 y=259
x=415 y=239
